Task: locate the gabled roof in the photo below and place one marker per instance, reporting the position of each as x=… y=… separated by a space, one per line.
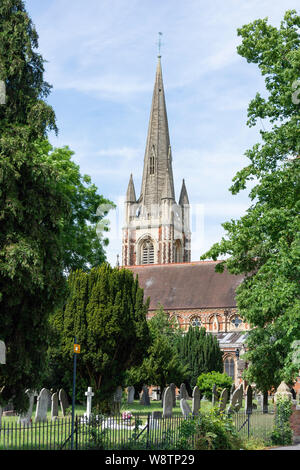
x=184 y=286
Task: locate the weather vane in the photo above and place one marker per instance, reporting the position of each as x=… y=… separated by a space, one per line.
x=159 y=43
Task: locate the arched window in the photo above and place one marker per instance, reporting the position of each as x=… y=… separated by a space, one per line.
x=152 y=162
x=147 y=252
x=229 y=367
x=177 y=254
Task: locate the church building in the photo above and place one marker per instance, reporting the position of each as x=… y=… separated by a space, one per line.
x=156 y=245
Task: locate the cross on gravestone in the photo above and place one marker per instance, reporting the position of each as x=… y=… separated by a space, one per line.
x=89 y=395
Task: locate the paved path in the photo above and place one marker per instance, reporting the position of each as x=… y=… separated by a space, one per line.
x=293 y=447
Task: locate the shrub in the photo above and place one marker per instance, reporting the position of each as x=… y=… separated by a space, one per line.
x=206 y=382
x=282 y=433
x=209 y=431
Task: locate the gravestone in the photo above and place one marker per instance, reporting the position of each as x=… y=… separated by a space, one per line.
x=249 y=400
x=130 y=394
x=25 y=418
x=259 y=401
x=89 y=395
x=168 y=403
x=162 y=396
x=214 y=395
x=185 y=409
x=265 y=403
x=155 y=393
x=173 y=388
x=54 y=406
x=196 y=400
x=183 y=392
x=2 y=353
x=64 y=402
x=155 y=418
x=231 y=391
x=117 y=399
x=42 y=406
x=236 y=400
x=223 y=400
x=145 y=399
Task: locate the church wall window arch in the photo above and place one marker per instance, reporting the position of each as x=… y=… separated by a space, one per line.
x=177 y=252
x=147 y=252
x=229 y=366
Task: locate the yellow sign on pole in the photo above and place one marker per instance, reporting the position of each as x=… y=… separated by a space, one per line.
x=77 y=348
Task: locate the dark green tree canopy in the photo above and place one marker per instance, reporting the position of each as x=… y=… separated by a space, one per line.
x=106 y=312
x=200 y=352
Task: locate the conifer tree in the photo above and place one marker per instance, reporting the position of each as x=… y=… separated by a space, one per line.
x=106 y=312
x=200 y=352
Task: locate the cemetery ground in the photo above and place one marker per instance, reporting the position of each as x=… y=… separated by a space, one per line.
x=55 y=435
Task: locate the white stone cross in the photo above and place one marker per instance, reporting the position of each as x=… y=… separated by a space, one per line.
x=89 y=394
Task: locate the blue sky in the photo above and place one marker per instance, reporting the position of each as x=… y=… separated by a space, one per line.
x=102 y=58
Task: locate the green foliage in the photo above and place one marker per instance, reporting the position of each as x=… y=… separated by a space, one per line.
x=206 y=382
x=282 y=433
x=162 y=365
x=31 y=208
x=265 y=243
x=106 y=313
x=82 y=236
x=209 y=431
x=200 y=352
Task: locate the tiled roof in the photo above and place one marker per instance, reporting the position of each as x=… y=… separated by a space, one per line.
x=187 y=285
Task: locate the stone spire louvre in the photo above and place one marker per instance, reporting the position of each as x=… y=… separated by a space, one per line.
x=158 y=156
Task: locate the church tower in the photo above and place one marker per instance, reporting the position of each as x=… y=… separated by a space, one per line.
x=156 y=228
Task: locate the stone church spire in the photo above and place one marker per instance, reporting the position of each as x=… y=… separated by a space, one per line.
x=156 y=228
x=158 y=156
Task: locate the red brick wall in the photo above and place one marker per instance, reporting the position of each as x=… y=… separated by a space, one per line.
x=295 y=423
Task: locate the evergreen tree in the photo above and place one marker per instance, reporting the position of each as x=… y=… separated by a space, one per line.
x=31 y=208
x=200 y=352
x=106 y=312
